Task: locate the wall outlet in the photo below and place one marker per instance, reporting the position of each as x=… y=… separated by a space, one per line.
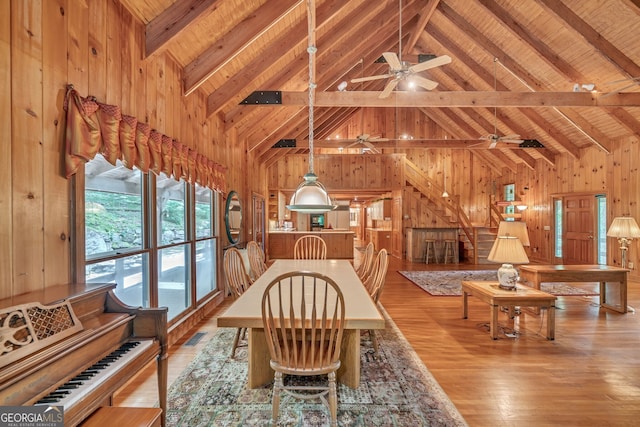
x=547 y=228
x=630 y=265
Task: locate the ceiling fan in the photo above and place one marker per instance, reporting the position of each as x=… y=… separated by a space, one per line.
x=400 y=70
x=494 y=138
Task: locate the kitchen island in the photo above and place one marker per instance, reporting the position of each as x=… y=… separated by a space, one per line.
x=339 y=243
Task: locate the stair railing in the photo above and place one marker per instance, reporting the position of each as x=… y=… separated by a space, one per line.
x=449 y=207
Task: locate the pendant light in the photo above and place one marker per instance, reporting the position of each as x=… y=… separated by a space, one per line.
x=444 y=180
x=311 y=196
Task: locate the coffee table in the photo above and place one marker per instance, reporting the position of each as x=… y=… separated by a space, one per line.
x=496 y=297
x=536 y=274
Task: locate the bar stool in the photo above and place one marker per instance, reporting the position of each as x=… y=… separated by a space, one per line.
x=448 y=251
x=430 y=251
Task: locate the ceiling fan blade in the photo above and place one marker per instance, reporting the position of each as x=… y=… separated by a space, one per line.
x=422 y=82
x=367 y=79
x=392 y=60
x=377 y=139
x=388 y=89
x=511 y=136
x=432 y=63
x=363 y=137
x=371 y=147
x=513 y=141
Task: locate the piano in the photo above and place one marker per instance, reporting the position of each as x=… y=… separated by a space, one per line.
x=74 y=346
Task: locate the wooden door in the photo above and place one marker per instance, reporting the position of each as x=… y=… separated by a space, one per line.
x=579 y=229
x=396 y=225
x=259 y=220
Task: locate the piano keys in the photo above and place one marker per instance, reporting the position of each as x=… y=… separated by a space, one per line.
x=101 y=344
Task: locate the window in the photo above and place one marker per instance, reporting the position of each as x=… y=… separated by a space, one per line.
x=557 y=204
x=601 y=229
x=150 y=250
x=509 y=196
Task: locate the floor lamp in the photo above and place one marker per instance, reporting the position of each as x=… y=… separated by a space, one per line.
x=625 y=229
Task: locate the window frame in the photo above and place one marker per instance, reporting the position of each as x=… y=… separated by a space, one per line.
x=150 y=240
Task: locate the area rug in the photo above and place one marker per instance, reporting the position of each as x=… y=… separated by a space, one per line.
x=448 y=283
x=396 y=389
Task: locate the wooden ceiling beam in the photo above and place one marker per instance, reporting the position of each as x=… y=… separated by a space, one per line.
x=518 y=71
x=229 y=46
x=608 y=51
x=335 y=60
x=439 y=36
x=554 y=61
x=239 y=85
x=463 y=99
x=405 y=144
x=425 y=16
x=169 y=24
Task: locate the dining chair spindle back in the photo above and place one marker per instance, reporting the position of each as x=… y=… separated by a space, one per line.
x=303 y=314
x=310 y=247
x=238 y=281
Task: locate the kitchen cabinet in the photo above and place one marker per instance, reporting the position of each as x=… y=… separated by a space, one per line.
x=339 y=243
x=381 y=209
x=380 y=239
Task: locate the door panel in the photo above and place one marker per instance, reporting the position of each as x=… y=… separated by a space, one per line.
x=579 y=229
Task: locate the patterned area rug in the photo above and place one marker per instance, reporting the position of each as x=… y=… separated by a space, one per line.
x=447 y=283
x=396 y=389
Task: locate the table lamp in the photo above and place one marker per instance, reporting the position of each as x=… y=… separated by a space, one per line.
x=508 y=250
x=625 y=228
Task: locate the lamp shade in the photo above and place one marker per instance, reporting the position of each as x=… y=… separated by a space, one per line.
x=508 y=249
x=515 y=228
x=310 y=197
x=624 y=226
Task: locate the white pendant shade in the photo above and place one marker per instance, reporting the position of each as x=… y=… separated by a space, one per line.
x=310 y=197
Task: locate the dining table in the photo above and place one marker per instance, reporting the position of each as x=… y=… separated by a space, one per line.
x=361 y=313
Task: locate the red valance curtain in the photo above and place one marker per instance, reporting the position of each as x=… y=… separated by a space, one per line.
x=94 y=128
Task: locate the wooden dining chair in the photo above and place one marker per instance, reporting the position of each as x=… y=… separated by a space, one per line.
x=303 y=318
x=256 y=259
x=367 y=261
x=238 y=281
x=374 y=285
x=310 y=247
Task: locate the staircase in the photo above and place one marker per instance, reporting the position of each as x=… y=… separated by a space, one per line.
x=485 y=236
x=446 y=208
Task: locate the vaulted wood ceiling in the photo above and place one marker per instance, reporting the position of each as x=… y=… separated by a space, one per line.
x=514 y=67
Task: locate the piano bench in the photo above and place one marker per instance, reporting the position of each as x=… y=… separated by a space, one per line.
x=124 y=416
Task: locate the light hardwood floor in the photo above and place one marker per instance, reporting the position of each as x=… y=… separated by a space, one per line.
x=588 y=376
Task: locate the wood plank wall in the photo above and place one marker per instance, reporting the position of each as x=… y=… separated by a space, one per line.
x=102 y=55
x=470 y=178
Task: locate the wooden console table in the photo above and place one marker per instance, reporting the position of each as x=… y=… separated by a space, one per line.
x=537 y=274
x=496 y=297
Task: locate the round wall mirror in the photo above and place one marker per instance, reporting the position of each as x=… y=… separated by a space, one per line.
x=233 y=217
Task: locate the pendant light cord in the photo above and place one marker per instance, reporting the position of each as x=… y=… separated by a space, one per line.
x=311 y=49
